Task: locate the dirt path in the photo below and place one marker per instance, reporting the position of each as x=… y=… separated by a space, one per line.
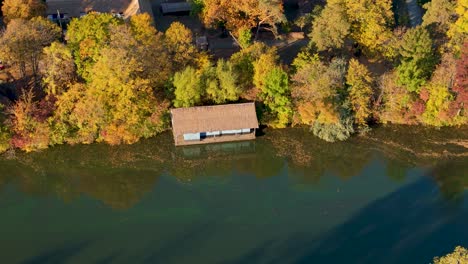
x=415 y=12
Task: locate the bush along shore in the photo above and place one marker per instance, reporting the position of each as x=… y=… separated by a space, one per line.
x=113 y=80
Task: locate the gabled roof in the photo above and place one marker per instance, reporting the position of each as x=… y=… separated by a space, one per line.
x=213 y=118
x=175 y=7
x=74 y=8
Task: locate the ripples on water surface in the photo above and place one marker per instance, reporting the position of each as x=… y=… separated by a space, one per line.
x=388 y=197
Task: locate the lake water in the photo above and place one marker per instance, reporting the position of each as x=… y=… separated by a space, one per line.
x=396 y=195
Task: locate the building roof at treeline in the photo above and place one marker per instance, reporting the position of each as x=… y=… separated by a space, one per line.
x=74 y=8
x=213 y=118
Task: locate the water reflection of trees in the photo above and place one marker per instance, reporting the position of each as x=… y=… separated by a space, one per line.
x=452 y=178
x=120 y=176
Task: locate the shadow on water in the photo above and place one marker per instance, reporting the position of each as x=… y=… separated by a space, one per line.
x=60 y=255
x=407 y=235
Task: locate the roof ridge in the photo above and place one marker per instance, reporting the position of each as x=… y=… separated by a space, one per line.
x=211 y=106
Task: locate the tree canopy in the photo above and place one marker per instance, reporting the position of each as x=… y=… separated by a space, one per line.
x=243 y=14
x=24 y=9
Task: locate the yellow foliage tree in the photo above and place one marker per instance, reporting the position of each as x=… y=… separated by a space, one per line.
x=179 y=42
x=371 y=22
x=458 y=256
x=25 y=9
x=359 y=81
x=458 y=31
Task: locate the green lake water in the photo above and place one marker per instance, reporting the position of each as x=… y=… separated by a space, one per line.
x=396 y=195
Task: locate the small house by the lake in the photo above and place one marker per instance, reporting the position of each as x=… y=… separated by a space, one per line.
x=211 y=124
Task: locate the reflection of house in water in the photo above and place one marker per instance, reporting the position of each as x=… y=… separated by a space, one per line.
x=77 y=8
x=228 y=148
x=214 y=124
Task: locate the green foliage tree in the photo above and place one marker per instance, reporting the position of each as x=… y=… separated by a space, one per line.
x=276 y=95
x=58 y=69
x=245 y=38
x=24 y=9
x=359 y=81
x=220 y=83
x=417 y=58
x=86 y=37
x=188 y=91
x=263 y=65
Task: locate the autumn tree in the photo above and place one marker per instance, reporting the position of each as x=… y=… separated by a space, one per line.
x=5 y=133
x=329 y=35
x=24 y=9
x=188 y=91
x=179 y=42
x=118 y=103
x=148 y=48
x=317 y=94
x=395 y=101
x=247 y=66
x=120 y=82
x=58 y=68
x=359 y=81
x=417 y=58
x=241 y=14
x=22 y=42
x=459 y=255
x=458 y=31
x=365 y=21
x=371 y=22
x=28 y=123
x=437 y=96
x=440 y=14
x=86 y=37
x=78 y=117
x=143 y=29
x=460 y=86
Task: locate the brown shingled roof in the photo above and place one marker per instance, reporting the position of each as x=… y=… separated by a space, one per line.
x=74 y=7
x=213 y=118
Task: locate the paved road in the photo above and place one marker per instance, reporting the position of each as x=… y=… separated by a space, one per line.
x=414 y=12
